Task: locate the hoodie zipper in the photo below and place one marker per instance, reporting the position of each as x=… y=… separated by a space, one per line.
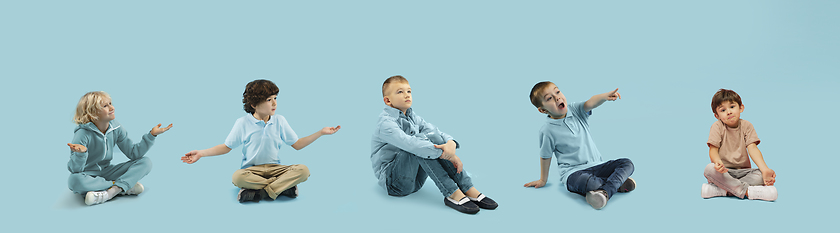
x=105 y=138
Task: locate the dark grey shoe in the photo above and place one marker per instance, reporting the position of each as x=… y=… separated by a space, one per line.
x=627 y=186
x=290 y=192
x=246 y=195
x=463 y=206
x=484 y=202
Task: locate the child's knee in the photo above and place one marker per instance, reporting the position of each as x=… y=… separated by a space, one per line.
x=76 y=181
x=239 y=176
x=710 y=170
x=144 y=164
x=301 y=171
x=627 y=162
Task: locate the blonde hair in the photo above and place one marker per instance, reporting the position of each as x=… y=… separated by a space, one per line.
x=88 y=107
x=393 y=79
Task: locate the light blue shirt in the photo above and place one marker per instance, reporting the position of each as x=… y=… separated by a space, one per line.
x=570 y=141
x=403 y=133
x=261 y=140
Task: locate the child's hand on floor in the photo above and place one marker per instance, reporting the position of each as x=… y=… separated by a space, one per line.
x=769 y=177
x=719 y=167
x=535 y=184
x=77 y=148
x=157 y=130
x=191 y=157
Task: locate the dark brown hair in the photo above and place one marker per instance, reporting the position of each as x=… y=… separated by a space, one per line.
x=723 y=96
x=256 y=92
x=392 y=79
x=535 y=99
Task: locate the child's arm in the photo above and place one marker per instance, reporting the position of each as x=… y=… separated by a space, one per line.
x=448 y=147
x=136 y=151
x=768 y=174
x=715 y=157
x=390 y=133
x=599 y=99
x=193 y=156
x=545 y=164
x=449 y=154
x=78 y=153
x=305 y=141
x=157 y=130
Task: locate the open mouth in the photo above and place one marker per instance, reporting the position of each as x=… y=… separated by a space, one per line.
x=562 y=105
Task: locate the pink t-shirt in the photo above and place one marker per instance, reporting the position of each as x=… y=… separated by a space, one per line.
x=733 y=142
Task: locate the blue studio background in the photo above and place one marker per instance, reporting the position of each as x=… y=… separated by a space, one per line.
x=470 y=64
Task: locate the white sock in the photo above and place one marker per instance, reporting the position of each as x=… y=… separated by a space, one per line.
x=113 y=191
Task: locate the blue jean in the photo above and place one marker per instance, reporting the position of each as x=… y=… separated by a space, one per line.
x=123 y=175
x=407 y=173
x=607 y=176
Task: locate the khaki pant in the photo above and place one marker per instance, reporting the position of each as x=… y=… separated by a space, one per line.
x=274 y=178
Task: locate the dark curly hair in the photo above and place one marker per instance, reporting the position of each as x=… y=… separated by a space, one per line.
x=256 y=92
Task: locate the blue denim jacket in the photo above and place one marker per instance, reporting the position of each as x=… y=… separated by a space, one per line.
x=403 y=133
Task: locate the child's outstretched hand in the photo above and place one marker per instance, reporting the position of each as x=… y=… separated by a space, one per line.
x=769 y=177
x=157 y=130
x=535 y=184
x=191 y=157
x=330 y=130
x=613 y=95
x=77 y=148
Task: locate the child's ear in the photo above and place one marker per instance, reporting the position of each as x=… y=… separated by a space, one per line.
x=387 y=100
x=742 y=108
x=541 y=110
x=716 y=116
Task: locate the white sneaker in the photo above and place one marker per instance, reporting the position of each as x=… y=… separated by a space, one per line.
x=597 y=199
x=96 y=197
x=767 y=193
x=709 y=190
x=137 y=189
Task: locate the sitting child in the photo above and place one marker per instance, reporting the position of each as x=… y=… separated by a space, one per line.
x=406 y=149
x=732 y=142
x=566 y=136
x=262 y=133
x=92 y=149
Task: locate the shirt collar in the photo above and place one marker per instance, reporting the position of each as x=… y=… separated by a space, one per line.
x=561 y=121
x=396 y=113
x=254 y=120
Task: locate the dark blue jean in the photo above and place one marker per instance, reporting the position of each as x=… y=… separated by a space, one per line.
x=607 y=176
x=407 y=174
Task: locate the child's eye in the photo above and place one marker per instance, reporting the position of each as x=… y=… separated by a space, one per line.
x=399 y=92
x=549 y=98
